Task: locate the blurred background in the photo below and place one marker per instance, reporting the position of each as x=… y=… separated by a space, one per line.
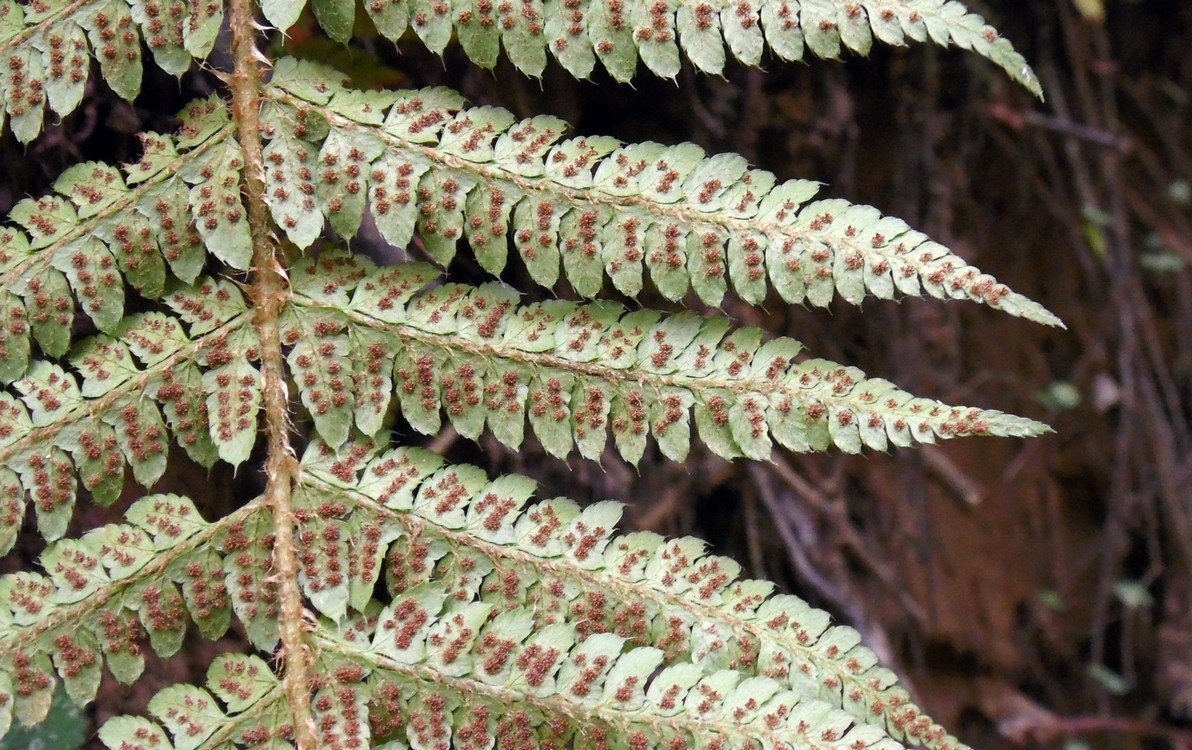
x=1033 y=594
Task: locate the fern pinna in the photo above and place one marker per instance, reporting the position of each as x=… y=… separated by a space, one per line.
x=406 y=602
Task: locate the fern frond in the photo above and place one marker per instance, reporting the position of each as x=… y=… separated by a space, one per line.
x=63 y=426
x=250 y=710
x=600 y=208
x=494 y=598
x=46 y=46
x=619 y=32
x=415 y=603
x=524 y=702
x=576 y=370
x=104 y=592
x=104 y=226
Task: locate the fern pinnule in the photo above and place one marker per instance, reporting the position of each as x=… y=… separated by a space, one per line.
x=249 y=710
x=104 y=226
x=105 y=592
x=46 y=47
x=110 y=413
x=577 y=371
x=408 y=602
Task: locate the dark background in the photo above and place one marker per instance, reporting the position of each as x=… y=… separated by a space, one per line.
x=1031 y=593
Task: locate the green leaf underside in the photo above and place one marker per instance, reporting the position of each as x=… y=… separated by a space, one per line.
x=497 y=598
x=105 y=591
x=445 y=608
x=133 y=392
x=599 y=208
x=104 y=227
x=47 y=47
x=618 y=32
x=578 y=371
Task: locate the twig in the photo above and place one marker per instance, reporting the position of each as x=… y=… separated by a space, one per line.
x=1051 y=728
x=1020 y=120
x=946 y=470
x=443 y=441
x=757 y=559
x=796 y=546
x=653 y=518
x=837 y=515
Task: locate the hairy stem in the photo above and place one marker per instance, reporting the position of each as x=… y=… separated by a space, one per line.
x=270 y=293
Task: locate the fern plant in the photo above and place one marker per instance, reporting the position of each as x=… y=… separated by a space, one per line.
x=394 y=600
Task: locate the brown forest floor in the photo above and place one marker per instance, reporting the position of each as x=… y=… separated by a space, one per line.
x=1030 y=592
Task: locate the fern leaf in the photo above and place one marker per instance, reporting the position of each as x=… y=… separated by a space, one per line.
x=240 y=702
x=104 y=226
x=104 y=591
x=61 y=428
x=248 y=548
x=46 y=48
x=14 y=337
x=233 y=402
x=494 y=596
x=577 y=32
x=12 y=503
x=433 y=605
x=694 y=222
x=576 y=370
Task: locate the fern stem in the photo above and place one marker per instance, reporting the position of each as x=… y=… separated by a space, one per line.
x=270 y=293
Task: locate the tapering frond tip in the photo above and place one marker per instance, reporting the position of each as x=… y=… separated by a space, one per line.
x=586 y=208
x=1025 y=307
x=620 y=33
x=1026 y=76
x=1015 y=65
x=578 y=374
x=1011 y=425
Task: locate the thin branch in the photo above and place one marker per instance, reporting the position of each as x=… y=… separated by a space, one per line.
x=836 y=514
x=1051 y=728
x=1057 y=124
x=953 y=477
